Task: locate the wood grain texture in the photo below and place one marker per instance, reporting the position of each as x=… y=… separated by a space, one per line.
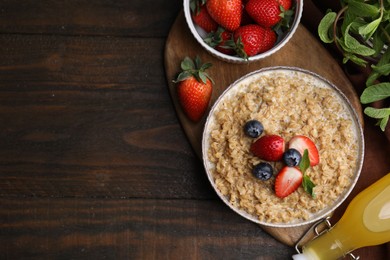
x=106 y=18
x=130 y=229
x=302 y=51
x=94 y=163
x=90 y=116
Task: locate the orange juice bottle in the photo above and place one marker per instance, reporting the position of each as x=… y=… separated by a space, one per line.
x=366 y=222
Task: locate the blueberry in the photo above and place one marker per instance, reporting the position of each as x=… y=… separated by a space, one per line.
x=263 y=171
x=292 y=157
x=253 y=128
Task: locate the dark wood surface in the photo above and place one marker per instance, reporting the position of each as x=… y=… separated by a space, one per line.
x=94 y=163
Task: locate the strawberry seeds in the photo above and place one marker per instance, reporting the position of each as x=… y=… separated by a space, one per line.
x=252 y=26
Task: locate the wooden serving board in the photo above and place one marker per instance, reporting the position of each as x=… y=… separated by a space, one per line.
x=303 y=50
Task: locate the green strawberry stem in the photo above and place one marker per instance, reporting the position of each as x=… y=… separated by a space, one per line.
x=195 y=5
x=194 y=68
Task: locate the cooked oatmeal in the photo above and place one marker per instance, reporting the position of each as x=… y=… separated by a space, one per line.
x=286 y=106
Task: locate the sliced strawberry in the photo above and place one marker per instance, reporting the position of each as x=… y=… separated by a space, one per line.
x=287 y=181
x=269 y=148
x=301 y=143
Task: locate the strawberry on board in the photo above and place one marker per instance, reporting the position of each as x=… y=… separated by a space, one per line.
x=268 y=13
x=301 y=143
x=194 y=88
x=219 y=40
x=226 y=13
x=269 y=147
x=253 y=39
x=201 y=16
x=287 y=181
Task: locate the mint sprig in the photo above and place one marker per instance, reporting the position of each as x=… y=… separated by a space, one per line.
x=307 y=184
x=361 y=31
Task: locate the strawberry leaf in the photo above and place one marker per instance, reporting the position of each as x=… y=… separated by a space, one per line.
x=307 y=184
x=195 y=69
x=182 y=76
x=187 y=64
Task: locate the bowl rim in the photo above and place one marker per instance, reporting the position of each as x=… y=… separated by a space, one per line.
x=322 y=213
x=236 y=59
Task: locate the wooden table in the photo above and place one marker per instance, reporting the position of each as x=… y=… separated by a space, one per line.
x=94 y=163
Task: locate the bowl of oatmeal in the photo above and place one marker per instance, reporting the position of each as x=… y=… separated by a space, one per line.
x=208 y=36
x=288 y=102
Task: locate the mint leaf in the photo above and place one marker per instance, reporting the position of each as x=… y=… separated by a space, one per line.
x=369 y=29
x=377 y=112
x=325 y=28
x=377 y=42
x=305 y=162
x=375 y=92
x=385 y=58
x=383 y=123
x=371 y=78
x=383 y=70
x=307 y=184
x=350 y=56
x=354 y=46
x=382 y=114
x=362 y=9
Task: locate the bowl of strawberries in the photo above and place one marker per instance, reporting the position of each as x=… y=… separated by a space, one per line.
x=240 y=31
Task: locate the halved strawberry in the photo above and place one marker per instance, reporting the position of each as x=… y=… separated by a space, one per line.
x=301 y=143
x=269 y=148
x=287 y=181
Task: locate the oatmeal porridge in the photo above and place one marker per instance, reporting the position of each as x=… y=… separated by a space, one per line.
x=287 y=103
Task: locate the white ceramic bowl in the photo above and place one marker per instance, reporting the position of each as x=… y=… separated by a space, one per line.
x=199 y=34
x=238 y=88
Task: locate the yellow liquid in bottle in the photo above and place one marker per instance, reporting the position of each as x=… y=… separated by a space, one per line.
x=366 y=222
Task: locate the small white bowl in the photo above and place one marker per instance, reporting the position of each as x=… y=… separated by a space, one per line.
x=200 y=34
x=239 y=89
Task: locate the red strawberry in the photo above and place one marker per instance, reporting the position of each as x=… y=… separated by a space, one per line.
x=286 y=4
x=269 y=148
x=201 y=16
x=194 y=88
x=287 y=181
x=219 y=40
x=226 y=13
x=301 y=143
x=253 y=39
x=266 y=13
